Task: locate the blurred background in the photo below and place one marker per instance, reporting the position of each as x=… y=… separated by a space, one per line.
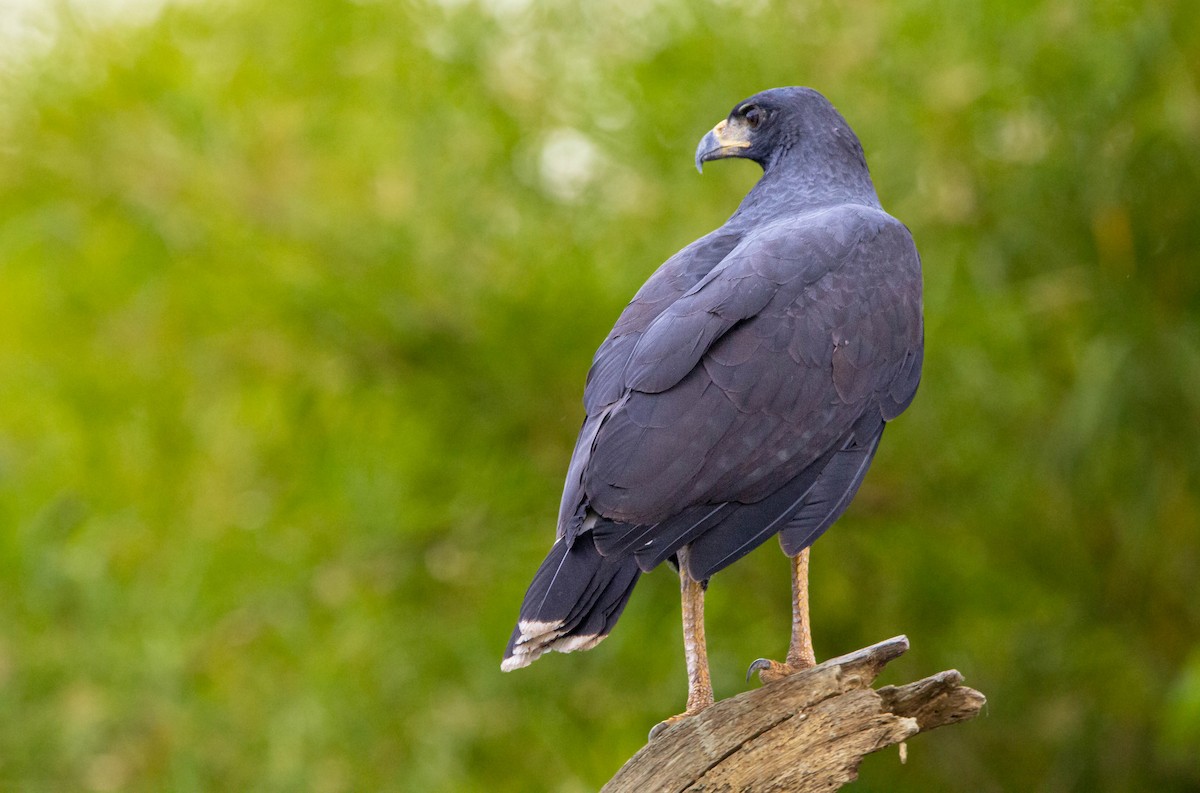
x=296 y=303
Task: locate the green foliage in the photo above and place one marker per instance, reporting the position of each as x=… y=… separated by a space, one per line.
x=296 y=302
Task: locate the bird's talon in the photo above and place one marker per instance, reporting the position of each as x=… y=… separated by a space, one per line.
x=769 y=671
x=758 y=666
x=662 y=726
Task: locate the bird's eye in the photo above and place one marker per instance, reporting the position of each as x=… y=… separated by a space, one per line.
x=753 y=117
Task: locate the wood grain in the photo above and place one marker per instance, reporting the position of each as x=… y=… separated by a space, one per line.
x=807 y=732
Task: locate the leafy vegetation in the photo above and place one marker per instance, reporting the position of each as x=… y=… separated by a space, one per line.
x=296 y=303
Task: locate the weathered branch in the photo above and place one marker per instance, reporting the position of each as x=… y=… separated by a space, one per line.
x=807 y=732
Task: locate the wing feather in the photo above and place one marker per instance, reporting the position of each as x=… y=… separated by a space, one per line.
x=714 y=412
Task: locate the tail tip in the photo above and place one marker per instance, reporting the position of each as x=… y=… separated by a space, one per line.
x=535 y=638
x=517 y=661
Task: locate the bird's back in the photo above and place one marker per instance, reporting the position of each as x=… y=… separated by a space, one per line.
x=745 y=386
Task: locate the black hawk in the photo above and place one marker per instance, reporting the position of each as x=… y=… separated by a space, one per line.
x=742 y=393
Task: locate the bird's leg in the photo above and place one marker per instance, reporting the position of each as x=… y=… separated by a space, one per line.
x=700 y=693
x=800 y=651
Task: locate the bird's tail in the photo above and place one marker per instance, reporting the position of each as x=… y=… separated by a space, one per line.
x=574 y=601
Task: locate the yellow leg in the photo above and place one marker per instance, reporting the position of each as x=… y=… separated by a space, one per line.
x=700 y=693
x=800 y=651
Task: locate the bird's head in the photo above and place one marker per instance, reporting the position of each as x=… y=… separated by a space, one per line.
x=769 y=124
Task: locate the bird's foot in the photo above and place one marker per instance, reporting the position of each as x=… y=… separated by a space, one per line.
x=663 y=726
x=769 y=671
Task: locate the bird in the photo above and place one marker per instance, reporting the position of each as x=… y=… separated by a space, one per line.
x=741 y=394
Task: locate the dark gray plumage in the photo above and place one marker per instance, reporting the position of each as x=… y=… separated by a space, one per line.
x=744 y=390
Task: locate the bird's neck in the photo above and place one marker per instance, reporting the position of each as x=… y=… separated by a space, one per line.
x=800 y=180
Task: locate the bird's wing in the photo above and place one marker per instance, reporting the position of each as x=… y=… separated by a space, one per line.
x=680 y=273
x=606 y=378
x=755 y=373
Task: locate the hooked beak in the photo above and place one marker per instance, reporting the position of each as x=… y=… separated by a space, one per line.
x=724 y=140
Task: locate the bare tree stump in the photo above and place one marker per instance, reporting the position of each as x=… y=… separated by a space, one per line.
x=807 y=732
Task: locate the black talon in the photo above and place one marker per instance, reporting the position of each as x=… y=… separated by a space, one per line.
x=757 y=666
x=657 y=730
